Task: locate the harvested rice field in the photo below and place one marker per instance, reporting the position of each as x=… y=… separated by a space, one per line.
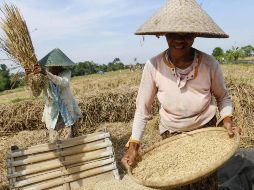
x=109 y=101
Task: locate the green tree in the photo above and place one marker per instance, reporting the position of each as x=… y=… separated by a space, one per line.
x=248 y=50
x=234 y=54
x=218 y=53
x=115 y=65
x=4 y=78
x=84 y=68
x=103 y=68
x=116 y=60
x=89 y=67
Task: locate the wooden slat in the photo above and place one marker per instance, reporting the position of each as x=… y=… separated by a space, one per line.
x=70 y=178
x=61 y=152
x=69 y=171
x=28 y=176
x=62 y=144
x=115 y=171
x=42 y=166
x=86 y=183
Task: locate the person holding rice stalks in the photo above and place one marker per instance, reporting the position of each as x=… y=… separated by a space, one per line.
x=184 y=79
x=61 y=110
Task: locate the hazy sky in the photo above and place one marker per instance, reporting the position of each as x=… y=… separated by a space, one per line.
x=101 y=30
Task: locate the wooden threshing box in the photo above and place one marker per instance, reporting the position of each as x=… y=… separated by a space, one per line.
x=67 y=164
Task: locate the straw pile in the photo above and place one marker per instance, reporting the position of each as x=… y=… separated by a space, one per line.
x=97 y=107
x=185 y=158
x=243 y=101
x=17 y=44
x=24 y=115
x=118 y=105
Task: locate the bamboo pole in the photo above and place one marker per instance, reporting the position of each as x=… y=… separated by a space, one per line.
x=33 y=168
x=70 y=178
x=58 y=153
x=59 y=173
x=24 y=177
x=28 y=176
x=9 y=172
x=66 y=186
x=63 y=144
x=115 y=171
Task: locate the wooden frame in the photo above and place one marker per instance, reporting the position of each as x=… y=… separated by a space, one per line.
x=64 y=164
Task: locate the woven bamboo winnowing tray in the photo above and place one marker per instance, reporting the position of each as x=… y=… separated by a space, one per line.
x=67 y=164
x=184 y=158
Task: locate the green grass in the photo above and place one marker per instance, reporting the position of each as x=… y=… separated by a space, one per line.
x=16 y=100
x=19 y=89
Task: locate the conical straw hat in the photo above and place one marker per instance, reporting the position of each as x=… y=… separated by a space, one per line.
x=56 y=58
x=182 y=16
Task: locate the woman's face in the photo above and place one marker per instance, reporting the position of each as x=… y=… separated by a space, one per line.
x=180 y=44
x=55 y=69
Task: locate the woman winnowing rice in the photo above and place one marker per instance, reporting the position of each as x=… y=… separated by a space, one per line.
x=183 y=78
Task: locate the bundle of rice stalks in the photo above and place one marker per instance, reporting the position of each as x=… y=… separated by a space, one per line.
x=17 y=44
x=37 y=83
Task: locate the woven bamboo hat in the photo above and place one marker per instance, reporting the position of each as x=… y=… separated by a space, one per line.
x=56 y=58
x=182 y=16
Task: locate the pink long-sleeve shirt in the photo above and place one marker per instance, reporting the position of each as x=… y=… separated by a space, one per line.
x=186 y=104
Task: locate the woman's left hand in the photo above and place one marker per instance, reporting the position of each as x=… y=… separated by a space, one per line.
x=228 y=124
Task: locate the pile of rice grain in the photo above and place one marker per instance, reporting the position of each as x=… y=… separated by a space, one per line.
x=125 y=184
x=181 y=159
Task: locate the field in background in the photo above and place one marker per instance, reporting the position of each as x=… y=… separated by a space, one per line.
x=112 y=80
x=242 y=72
x=109 y=100
x=80 y=85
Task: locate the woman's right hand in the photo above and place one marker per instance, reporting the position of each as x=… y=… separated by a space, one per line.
x=28 y=71
x=37 y=69
x=131 y=155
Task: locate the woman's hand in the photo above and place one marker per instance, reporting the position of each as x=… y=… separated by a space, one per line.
x=131 y=155
x=37 y=69
x=28 y=71
x=228 y=124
